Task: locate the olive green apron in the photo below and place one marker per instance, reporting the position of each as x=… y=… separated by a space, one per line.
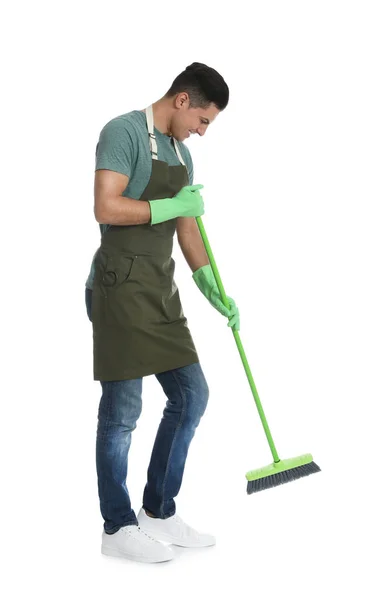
x=138 y=323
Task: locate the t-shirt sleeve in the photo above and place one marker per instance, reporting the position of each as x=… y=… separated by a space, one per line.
x=115 y=148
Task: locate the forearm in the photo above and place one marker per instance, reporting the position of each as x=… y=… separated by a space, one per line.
x=124 y=211
x=193 y=249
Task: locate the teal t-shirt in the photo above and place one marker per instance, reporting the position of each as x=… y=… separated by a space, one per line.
x=123 y=146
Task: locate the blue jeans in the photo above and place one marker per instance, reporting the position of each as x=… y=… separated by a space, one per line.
x=120 y=406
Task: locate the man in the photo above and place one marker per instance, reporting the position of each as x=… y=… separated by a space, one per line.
x=144 y=194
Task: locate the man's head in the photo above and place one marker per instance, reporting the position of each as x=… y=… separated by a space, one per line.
x=197 y=96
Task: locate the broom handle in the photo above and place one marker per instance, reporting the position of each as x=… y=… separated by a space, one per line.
x=237 y=340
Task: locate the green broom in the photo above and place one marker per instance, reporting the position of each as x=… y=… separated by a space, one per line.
x=280 y=471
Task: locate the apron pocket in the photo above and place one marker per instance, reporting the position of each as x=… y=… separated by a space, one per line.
x=117 y=270
x=114 y=272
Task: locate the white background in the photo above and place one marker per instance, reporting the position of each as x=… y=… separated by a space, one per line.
x=291 y=187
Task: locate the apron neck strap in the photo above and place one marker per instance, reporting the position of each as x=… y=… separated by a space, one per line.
x=178 y=152
x=152 y=137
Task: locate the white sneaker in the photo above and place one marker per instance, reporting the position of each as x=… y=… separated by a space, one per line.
x=174 y=531
x=133 y=543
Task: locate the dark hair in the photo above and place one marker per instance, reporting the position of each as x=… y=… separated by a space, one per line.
x=204 y=86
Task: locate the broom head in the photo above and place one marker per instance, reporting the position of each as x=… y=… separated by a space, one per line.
x=280 y=472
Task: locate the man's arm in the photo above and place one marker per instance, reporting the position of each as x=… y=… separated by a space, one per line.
x=191 y=243
x=111 y=208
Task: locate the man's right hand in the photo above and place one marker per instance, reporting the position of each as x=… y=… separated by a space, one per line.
x=188 y=202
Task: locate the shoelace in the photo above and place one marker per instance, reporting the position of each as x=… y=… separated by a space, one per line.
x=133 y=532
x=147 y=534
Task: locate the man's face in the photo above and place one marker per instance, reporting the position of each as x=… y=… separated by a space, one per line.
x=187 y=121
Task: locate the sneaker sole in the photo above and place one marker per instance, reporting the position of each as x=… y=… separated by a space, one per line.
x=118 y=554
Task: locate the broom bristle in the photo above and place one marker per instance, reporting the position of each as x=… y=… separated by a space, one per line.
x=270 y=481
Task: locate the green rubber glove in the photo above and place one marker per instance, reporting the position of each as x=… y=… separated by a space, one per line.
x=206 y=282
x=187 y=203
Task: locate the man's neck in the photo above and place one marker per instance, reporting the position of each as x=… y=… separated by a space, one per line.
x=162 y=116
